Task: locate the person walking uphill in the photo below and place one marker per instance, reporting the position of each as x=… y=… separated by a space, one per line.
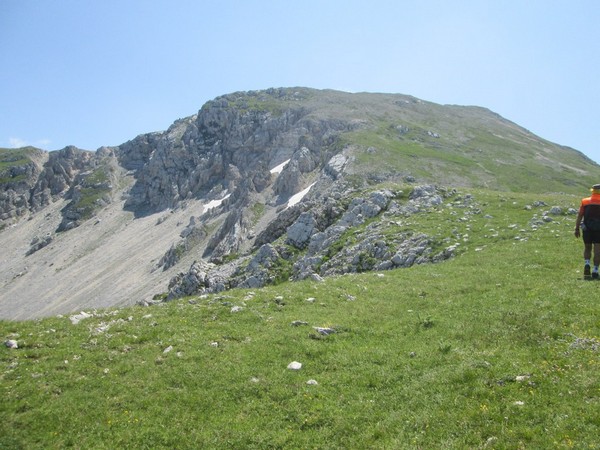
x=588 y=226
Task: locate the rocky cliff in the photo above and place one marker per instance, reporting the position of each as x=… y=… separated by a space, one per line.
x=255 y=188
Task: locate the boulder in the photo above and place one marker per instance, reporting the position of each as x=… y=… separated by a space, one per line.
x=299 y=233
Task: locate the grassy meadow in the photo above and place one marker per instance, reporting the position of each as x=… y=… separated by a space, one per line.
x=497 y=348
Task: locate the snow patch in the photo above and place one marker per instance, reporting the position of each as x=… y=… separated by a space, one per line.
x=214 y=203
x=299 y=196
x=279 y=168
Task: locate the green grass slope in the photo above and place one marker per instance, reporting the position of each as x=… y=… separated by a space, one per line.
x=496 y=348
x=466 y=146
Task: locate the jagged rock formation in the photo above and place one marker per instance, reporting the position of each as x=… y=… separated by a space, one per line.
x=255 y=188
x=227 y=147
x=328 y=231
x=19 y=172
x=39 y=178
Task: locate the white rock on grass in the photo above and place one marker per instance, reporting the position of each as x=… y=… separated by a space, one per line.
x=294 y=365
x=325 y=331
x=11 y=343
x=76 y=318
x=312 y=382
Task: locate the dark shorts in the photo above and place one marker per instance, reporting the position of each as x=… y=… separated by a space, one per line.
x=591 y=237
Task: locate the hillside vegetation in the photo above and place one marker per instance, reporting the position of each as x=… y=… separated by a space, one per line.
x=497 y=347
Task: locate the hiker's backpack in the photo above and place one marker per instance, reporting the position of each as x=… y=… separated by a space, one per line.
x=591 y=217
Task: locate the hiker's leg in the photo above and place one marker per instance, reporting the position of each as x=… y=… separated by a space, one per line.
x=587 y=251
x=596 y=255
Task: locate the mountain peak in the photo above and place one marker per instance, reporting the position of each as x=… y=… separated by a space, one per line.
x=250 y=179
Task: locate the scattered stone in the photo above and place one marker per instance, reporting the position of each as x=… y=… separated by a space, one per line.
x=214 y=344
x=294 y=365
x=102 y=328
x=325 y=331
x=585 y=344
x=236 y=309
x=298 y=323
x=76 y=318
x=490 y=441
x=168 y=349
x=38 y=243
x=11 y=343
x=22 y=273
x=312 y=382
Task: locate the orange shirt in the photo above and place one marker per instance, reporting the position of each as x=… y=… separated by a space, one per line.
x=594 y=199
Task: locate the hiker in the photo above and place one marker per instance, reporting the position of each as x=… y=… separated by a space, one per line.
x=589 y=213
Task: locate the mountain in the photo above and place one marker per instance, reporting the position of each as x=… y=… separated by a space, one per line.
x=255 y=188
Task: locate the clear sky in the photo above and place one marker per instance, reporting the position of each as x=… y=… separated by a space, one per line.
x=94 y=73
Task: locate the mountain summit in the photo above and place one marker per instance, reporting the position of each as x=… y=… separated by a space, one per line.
x=256 y=187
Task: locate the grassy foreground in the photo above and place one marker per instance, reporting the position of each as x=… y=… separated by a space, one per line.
x=496 y=348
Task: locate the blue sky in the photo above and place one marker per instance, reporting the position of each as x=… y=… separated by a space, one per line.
x=93 y=73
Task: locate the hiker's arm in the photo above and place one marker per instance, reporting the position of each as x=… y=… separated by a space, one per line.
x=578 y=224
